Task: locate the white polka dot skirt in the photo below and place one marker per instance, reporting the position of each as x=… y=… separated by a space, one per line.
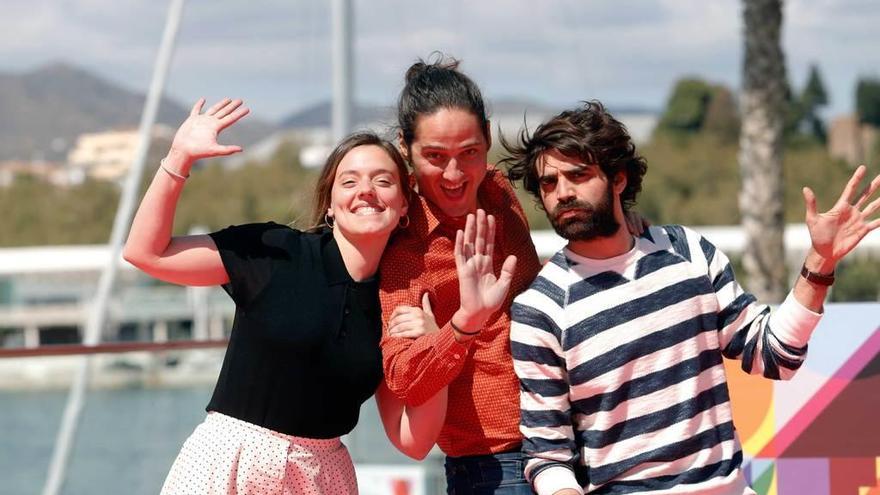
x=225 y=455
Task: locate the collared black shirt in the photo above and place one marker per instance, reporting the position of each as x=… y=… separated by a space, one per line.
x=304 y=350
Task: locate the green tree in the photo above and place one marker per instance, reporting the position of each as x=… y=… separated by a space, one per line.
x=38 y=213
x=812 y=98
x=697 y=106
x=793 y=113
x=858 y=280
x=868 y=101
x=722 y=116
x=279 y=189
x=691 y=182
x=686 y=108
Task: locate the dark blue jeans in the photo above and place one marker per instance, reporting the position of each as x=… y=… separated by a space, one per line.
x=498 y=474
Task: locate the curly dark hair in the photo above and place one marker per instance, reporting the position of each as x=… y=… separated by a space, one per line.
x=589 y=133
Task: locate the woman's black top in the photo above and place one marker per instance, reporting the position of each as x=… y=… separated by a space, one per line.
x=304 y=350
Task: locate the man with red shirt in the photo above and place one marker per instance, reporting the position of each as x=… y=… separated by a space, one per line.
x=444 y=133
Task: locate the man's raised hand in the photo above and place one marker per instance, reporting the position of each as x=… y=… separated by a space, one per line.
x=839 y=230
x=481 y=292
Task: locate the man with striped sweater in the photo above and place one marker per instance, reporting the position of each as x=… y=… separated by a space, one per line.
x=618 y=343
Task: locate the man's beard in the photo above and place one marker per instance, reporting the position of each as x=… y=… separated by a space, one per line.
x=591 y=222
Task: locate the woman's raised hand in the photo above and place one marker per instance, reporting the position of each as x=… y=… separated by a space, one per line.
x=197 y=136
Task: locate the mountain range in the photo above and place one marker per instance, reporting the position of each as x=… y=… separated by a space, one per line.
x=44 y=110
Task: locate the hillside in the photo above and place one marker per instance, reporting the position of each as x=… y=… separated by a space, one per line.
x=45 y=109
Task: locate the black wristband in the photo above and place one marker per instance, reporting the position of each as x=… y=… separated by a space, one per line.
x=455 y=327
x=825 y=279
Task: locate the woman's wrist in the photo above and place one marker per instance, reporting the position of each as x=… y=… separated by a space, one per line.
x=178 y=161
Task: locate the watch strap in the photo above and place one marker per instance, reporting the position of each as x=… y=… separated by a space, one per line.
x=817 y=278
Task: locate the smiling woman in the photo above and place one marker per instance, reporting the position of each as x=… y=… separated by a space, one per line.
x=361 y=189
x=303 y=352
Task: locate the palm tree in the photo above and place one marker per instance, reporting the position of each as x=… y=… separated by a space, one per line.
x=760 y=155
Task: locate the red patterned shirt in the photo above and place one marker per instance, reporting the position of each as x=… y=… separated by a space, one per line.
x=483 y=412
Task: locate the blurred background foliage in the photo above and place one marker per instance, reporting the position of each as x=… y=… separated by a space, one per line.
x=692 y=179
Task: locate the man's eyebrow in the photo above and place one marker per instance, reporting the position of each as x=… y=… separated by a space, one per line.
x=580 y=168
x=463 y=145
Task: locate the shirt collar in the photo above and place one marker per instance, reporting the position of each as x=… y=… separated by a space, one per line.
x=334 y=266
x=427 y=217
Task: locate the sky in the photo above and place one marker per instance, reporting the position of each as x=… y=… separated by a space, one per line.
x=275 y=54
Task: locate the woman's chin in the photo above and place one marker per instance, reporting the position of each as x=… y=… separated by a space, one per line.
x=366 y=230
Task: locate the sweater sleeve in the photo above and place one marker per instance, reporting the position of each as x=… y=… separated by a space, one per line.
x=773 y=344
x=545 y=409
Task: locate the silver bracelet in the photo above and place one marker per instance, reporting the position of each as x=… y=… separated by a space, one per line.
x=171 y=172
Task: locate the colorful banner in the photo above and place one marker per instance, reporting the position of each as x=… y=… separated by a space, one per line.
x=819 y=433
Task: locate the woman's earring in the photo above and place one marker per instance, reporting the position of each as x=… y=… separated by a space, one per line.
x=329 y=220
x=403 y=222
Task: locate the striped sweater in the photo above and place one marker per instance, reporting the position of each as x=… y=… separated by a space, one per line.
x=623 y=388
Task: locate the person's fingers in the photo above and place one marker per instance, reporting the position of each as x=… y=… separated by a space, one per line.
x=847 y=195
x=410 y=334
x=394 y=320
x=426 y=305
x=871 y=208
x=403 y=308
x=398 y=326
x=228 y=108
x=868 y=192
x=197 y=108
x=459 y=247
x=400 y=313
x=405 y=326
x=470 y=231
x=396 y=329
x=234 y=117
x=507 y=270
x=810 y=202
x=490 y=235
x=217 y=106
x=480 y=237
x=229 y=149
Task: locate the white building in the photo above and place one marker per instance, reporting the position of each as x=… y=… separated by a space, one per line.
x=108 y=155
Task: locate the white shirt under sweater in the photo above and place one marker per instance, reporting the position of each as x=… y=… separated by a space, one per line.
x=620 y=364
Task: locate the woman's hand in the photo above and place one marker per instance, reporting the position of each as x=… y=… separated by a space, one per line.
x=197 y=136
x=410 y=322
x=184 y=260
